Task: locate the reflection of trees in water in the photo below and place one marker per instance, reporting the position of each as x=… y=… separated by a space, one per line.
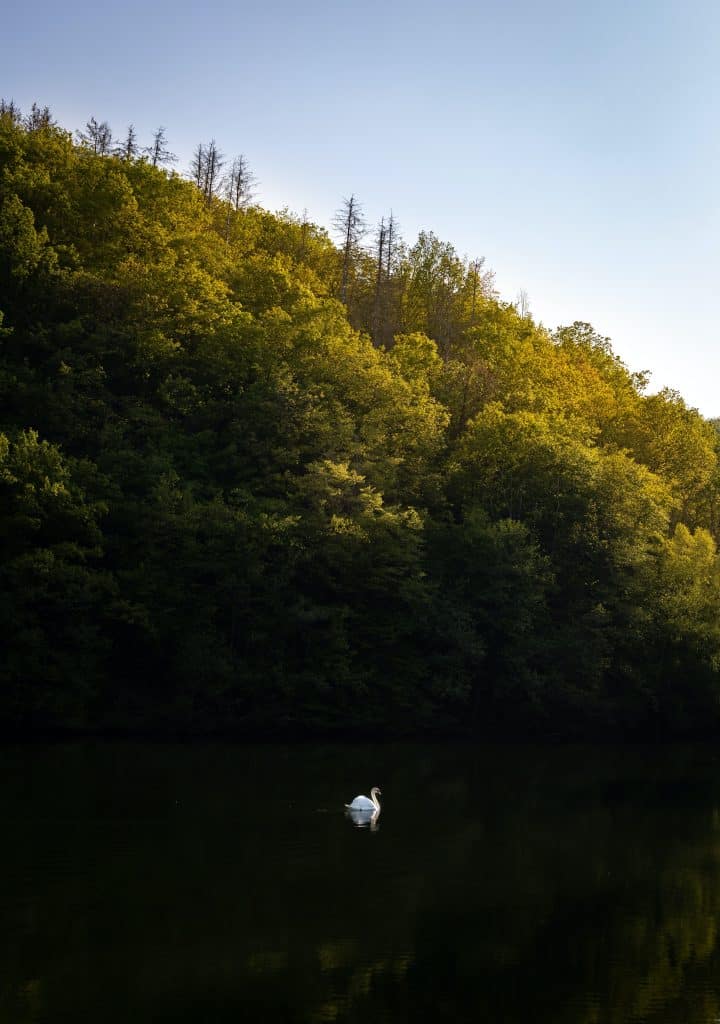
x=596 y=897
x=572 y=895
x=507 y=885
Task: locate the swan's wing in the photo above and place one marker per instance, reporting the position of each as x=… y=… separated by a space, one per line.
x=361 y=803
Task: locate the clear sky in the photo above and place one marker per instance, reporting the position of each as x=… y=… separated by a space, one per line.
x=574 y=145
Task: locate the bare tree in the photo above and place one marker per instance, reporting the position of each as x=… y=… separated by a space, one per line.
x=38 y=118
x=97 y=137
x=380 y=245
x=213 y=165
x=104 y=139
x=158 y=152
x=128 y=149
x=392 y=286
x=240 y=183
x=197 y=165
x=381 y=237
x=205 y=167
x=350 y=225
x=522 y=304
x=393 y=245
x=10 y=109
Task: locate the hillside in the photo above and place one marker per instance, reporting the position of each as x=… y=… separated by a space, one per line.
x=254 y=480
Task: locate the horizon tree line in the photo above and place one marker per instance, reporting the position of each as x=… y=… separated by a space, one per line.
x=387 y=286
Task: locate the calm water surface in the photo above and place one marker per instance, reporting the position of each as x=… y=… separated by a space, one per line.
x=221 y=882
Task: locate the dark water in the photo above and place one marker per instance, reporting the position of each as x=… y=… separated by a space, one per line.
x=220 y=882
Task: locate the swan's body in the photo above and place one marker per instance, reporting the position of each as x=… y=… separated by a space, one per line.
x=363 y=803
x=364 y=811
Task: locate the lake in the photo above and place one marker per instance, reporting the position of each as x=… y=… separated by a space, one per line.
x=214 y=882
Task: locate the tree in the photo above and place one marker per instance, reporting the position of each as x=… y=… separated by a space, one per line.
x=479 y=283
x=49 y=588
x=10 y=110
x=240 y=183
x=432 y=302
x=38 y=118
x=97 y=137
x=522 y=304
x=213 y=165
x=380 y=262
x=393 y=246
x=675 y=441
x=206 y=165
x=197 y=166
x=391 y=290
x=128 y=149
x=350 y=226
x=158 y=152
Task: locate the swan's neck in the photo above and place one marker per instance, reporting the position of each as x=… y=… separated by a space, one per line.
x=373 y=797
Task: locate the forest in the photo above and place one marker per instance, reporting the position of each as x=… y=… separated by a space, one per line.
x=256 y=476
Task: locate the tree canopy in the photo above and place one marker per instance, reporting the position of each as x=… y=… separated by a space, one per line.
x=253 y=479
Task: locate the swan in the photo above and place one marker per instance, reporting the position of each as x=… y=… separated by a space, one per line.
x=362 y=803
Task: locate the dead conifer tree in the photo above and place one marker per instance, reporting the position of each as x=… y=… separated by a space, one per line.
x=240 y=184
x=393 y=245
x=390 y=288
x=213 y=165
x=157 y=152
x=350 y=225
x=205 y=167
x=238 y=189
x=380 y=246
x=128 y=149
x=522 y=304
x=197 y=166
x=97 y=137
x=10 y=109
x=38 y=118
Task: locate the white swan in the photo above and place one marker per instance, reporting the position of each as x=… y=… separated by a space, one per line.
x=362 y=803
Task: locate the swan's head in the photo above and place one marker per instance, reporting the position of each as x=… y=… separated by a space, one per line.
x=375 y=790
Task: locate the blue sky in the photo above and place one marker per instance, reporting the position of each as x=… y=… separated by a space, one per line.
x=574 y=145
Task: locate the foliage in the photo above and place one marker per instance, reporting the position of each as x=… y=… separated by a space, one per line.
x=232 y=500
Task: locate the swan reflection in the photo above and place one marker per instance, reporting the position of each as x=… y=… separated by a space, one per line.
x=363 y=817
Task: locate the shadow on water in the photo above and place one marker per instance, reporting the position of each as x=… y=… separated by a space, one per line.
x=219 y=882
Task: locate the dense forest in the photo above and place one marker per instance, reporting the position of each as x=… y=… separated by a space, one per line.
x=255 y=478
